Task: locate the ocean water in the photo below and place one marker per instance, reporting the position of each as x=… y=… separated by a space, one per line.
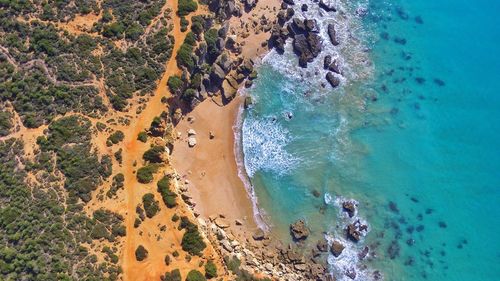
x=412 y=135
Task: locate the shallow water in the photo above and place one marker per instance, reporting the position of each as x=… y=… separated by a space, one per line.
x=416 y=124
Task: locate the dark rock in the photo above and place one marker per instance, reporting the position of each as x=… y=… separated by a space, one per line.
x=349 y=207
x=326 y=7
x=304 y=8
x=334 y=66
x=248 y=101
x=217 y=74
x=332 y=79
x=327 y=61
x=311 y=25
x=316 y=193
x=322 y=245
x=351 y=273
x=363 y=253
x=298 y=26
x=332 y=34
x=337 y=248
x=299 y=230
x=410 y=242
x=353 y=233
x=307 y=47
x=289 y=2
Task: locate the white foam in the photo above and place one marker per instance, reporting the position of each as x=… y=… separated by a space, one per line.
x=264 y=146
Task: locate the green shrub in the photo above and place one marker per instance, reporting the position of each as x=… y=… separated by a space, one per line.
x=195 y=275
x=145 y=174
x=151 y=206
x=169 y=197
x=154 y=154
x=5 y=123
x=175 y=84
x=186 y=6
x=175 y=218
x=189 y=94
x=141 y=253
x=210 y=270
x=211 y=39
x=197 y=24
x=192 y=242
x=142 y=136
x=185 y=57
x=190 y=39
x=174 y=275
x=115 y=138
x=184 y=24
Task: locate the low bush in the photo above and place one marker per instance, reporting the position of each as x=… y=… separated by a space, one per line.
x=145 y=174
x=175 y=84
x=142 y=136
x=185 y=7
x=210 y=270
x=141 y=253
x=169 y=197
x=151 y=206
x=154 y=154
x=192 y=242
x=195 y=275
x=115 y=138
x=174 y=275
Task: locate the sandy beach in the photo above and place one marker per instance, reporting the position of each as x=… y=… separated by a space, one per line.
x=210 y=168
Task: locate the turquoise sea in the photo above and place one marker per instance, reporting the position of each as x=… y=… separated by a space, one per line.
x=412 y=135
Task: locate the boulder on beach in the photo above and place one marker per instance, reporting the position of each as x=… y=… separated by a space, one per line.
x=299 y=230
x=191 y=141
x=337 y=248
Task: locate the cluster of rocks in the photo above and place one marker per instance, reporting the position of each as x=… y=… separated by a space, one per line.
x=307 y=43
x=261 y=254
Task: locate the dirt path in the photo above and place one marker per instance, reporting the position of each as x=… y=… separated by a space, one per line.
x=154 y=266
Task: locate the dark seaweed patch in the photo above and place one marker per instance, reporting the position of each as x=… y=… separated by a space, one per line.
x=419 y=228
x=419 y=20
x=439 y=82
x=400 y=40
x=442 y=224
x=420 y=80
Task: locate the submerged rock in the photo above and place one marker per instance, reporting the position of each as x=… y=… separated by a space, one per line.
x=322 y=245
x=299 y=230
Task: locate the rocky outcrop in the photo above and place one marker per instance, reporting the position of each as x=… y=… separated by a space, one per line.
x=356 y=230
x=299 y=230
x=307 y=46
x=332 y=34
